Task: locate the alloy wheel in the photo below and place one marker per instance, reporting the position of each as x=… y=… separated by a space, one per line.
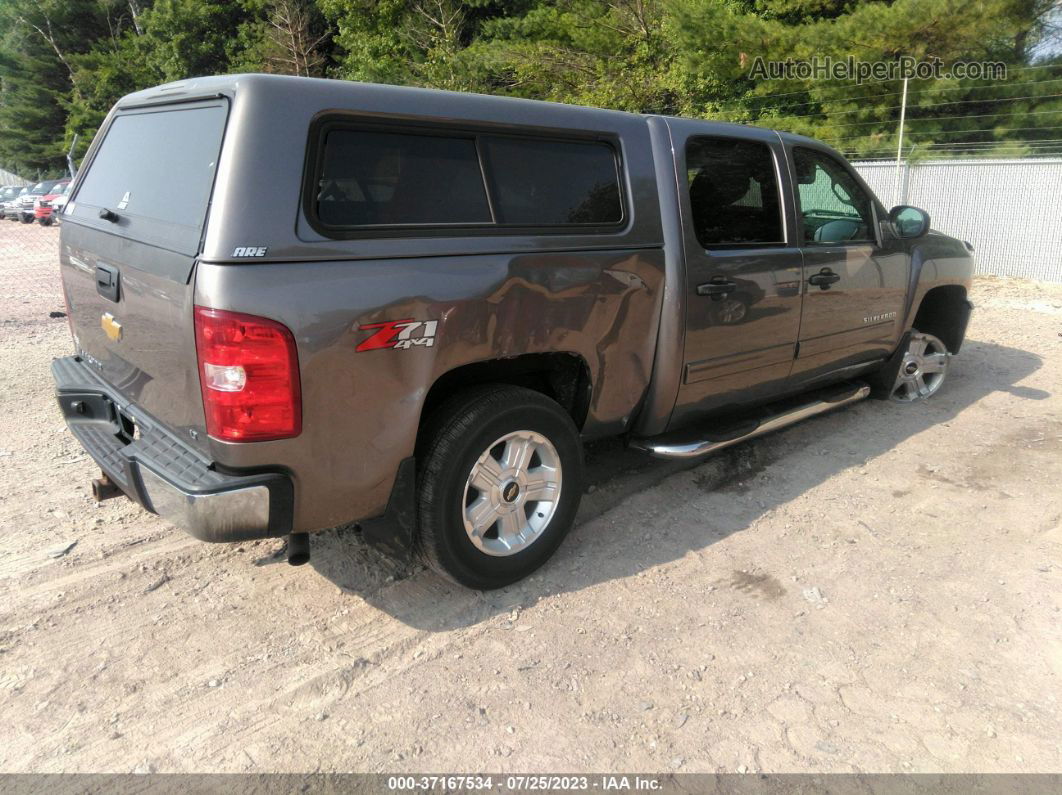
x=512 y=493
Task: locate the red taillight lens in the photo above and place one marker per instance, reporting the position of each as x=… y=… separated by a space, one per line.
x=249 y=373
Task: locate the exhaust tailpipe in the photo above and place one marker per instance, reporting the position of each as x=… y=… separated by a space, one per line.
x=103 y=488
x=298 y=548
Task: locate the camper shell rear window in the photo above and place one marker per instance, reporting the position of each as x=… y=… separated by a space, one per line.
x=154 y=171
x=374 y=180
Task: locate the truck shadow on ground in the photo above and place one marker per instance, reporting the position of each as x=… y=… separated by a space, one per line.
x=617 y=546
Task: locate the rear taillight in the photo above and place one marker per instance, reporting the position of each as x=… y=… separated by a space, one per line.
x=249 y=373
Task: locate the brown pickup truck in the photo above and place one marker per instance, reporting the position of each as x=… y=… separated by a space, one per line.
x=298 y=304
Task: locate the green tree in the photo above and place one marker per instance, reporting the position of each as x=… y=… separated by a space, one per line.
x=39 y=45
x=863 y=118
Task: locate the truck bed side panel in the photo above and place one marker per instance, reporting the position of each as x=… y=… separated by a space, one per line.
x=361 y=410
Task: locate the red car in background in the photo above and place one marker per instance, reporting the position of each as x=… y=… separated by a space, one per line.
x=44 y=208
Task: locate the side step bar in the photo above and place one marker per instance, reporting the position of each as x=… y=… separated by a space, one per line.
x=686 y=444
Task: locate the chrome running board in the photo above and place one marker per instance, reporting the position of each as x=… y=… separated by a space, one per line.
x=690 y=444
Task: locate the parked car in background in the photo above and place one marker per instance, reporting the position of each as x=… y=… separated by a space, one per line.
x=44 y=207
x=59 y=203
x=9 y=201
x=27 y=200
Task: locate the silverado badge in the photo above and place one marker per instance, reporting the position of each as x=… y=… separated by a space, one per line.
x=111 y=327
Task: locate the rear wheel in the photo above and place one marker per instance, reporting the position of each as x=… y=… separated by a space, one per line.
x=923 y=369
x=499 y=479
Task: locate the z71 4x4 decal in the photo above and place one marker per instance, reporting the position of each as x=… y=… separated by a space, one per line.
x=400 y=334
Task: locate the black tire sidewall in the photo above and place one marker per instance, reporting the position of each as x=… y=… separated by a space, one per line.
x=453 y=548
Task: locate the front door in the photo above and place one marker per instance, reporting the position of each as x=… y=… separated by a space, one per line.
x=854 y=286
x=743 y=273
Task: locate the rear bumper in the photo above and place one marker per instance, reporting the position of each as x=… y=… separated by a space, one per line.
x=158 y=471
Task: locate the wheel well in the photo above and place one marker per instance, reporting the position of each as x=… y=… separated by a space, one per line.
x=943 y=313
x=563 y=377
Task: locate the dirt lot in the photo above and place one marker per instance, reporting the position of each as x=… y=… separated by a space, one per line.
x=877 y=590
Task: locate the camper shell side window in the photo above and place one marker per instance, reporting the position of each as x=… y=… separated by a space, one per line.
x=376 y=180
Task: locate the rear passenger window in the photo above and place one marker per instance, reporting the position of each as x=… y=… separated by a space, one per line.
x=372 y=179
x=734 y=198
x=388 y=179
x=553 y=183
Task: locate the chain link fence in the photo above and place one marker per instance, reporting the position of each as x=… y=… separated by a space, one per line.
x=1010 y=210
x=30 y=257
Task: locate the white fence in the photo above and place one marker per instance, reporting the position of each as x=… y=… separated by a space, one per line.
x=1010 y=210
x=7 y=178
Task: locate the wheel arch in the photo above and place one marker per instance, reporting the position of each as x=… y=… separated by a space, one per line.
x=563 y=377
x=944 y=312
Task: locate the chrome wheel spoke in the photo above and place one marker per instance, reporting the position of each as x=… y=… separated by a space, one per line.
x=512 y=525
x=487 y=474
x=920 y=387
x=518 y=452
x=542 y=485
x=482 y=515
x=934 y=362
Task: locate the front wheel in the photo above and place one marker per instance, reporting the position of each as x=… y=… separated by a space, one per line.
x=500 y=478
x=923 y=369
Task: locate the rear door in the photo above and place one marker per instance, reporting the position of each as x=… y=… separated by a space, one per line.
x=130 y=237
x=855 y=283
x=742 y=272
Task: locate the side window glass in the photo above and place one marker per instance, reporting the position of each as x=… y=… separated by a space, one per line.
x=833 y=207
x=388 y=179
x=553 y=183
x=734 y=198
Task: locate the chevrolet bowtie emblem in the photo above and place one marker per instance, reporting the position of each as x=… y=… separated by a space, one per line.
x=111 y=327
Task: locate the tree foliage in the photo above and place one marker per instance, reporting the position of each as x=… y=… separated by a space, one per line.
x=63 y=63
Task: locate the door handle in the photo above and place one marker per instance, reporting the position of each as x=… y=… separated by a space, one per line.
x=824 y=278
x=716 y=288
x=107 y=277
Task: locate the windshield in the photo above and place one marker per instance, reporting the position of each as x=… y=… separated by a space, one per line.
x=42 y=187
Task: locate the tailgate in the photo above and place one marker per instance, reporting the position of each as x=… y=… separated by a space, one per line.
x=129 y=242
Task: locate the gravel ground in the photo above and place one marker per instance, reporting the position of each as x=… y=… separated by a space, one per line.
x=875 y=590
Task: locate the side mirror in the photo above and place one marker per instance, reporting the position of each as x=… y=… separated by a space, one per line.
x=909 y=222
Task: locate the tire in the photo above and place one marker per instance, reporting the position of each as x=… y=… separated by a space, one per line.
x=536 y=451
x=923 y=369
x=26 y=220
